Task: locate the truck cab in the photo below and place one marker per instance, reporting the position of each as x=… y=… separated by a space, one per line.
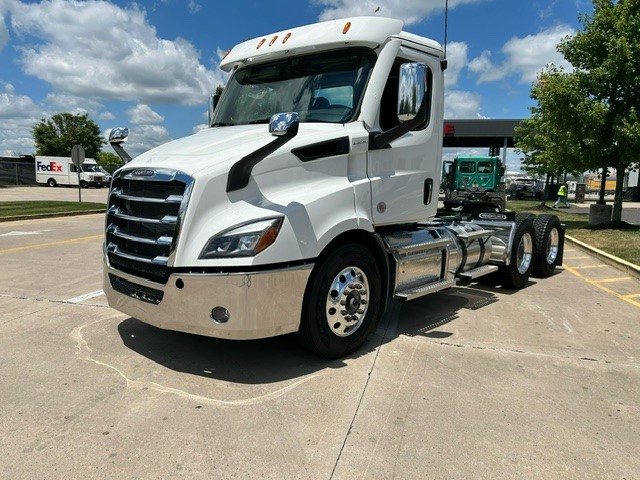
x=474 y=178
x=308 y=202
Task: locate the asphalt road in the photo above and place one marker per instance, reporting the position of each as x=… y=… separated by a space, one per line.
x=468 y=383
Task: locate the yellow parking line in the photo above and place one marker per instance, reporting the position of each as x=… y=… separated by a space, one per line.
x=50 y=244
x=584 y=267
x=575 y=258
x=611 y=280
x=626 y=298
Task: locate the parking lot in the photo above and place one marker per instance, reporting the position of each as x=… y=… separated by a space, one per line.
x=467 y=383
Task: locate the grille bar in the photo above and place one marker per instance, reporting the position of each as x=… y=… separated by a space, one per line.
x=133 y=198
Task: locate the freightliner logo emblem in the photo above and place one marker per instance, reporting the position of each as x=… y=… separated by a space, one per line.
x=143 y=172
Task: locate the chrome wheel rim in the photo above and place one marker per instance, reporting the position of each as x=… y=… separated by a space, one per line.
x=524 y=255
x=553 y=246
x=347 y=301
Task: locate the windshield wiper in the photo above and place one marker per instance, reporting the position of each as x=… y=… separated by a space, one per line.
x=223 y=124
x=262 y=120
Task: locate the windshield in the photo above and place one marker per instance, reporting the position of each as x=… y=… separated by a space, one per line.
x=90 y=167
x=325 y=87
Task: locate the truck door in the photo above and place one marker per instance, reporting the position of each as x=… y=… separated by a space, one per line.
x=405 y=176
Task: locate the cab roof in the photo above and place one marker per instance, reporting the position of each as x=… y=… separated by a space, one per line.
x=348 y=32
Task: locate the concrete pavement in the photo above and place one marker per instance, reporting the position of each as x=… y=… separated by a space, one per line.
x=468 y=383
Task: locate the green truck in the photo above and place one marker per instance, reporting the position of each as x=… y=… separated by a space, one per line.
x=477 y=179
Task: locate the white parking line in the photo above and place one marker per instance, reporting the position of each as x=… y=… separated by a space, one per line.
x=84 y=297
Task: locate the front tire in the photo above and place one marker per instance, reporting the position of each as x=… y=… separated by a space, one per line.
x=342 y=303
x=83 y=184
x=517 y=273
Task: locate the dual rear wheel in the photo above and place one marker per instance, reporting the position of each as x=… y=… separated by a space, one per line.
x=536 y=250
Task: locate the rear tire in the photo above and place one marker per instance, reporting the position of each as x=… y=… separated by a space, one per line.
x=342 y=302
x=547 y=251
x=517 y=273
x=51 y=182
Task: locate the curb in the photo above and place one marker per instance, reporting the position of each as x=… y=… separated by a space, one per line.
x=620 y=264
x=49 y=215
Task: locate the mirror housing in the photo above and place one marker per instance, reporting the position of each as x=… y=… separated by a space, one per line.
x=411 y=90
x=117 y=137
x=281 y=123
x=413 y=104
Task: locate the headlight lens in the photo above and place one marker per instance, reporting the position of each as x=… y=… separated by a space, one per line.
x=244 y=241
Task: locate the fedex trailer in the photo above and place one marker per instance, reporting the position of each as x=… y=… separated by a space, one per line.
x=54 y=171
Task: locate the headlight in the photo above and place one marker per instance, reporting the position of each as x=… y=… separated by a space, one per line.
x=243 y=241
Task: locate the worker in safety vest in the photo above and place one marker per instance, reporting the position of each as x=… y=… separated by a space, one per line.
x=562 y=196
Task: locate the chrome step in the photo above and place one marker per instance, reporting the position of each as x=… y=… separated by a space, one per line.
x=478 y=272
x=421 y=291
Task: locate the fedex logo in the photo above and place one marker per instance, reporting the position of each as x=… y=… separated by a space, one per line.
x=50 y=167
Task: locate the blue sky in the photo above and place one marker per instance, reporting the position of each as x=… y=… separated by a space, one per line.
x=151 y=65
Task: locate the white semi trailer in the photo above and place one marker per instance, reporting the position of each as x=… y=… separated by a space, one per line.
x=312 y=199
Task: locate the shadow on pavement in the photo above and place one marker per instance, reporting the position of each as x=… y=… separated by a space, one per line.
x=283 y=358
x=240 y=361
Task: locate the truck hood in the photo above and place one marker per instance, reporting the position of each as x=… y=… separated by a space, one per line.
x=214 y=150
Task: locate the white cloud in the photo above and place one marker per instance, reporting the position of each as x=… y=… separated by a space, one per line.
x=106 y=116
x=456 y=60
x=460 y=104
x=72 y=104
x=18 y=115
x=193 y=6
x=524 y=57
x=122 y=60
x=146 y=137
x=143 y=115
x=17 y=106
x=410 y=11
x=4 y=33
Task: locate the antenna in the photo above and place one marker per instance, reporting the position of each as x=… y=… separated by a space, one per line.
x=446 y=25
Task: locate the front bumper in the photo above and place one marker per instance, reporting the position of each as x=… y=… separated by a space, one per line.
x=260 y=305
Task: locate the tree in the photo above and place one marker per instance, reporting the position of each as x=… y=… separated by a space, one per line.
x=592 y=113
x=58 y=135
x=105 y=159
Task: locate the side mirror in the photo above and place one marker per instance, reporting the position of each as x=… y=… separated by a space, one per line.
x=282 y=123
x=411 y=90
x=413 y=104
x=118 y=135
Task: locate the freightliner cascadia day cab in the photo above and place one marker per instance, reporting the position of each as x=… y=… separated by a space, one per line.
x=312 y=199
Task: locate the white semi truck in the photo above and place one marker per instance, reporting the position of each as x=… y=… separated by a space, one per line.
x=312 y=199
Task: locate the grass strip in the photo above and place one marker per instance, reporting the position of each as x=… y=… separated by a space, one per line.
x=45 y=207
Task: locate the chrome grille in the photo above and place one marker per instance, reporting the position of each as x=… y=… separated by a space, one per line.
x=143 y=220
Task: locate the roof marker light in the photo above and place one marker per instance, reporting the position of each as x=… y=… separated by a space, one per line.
x=273 y=40
x=346 y=27
x=286 y=37
x=260 y=43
